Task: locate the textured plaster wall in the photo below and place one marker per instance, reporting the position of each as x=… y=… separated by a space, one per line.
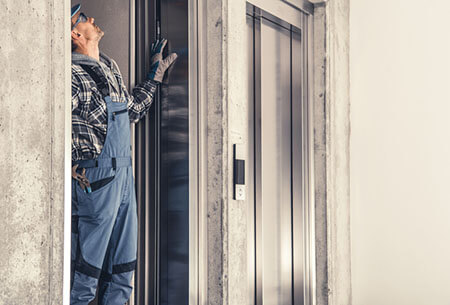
x=32 y=98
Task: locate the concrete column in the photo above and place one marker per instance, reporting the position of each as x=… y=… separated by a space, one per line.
x=331 y=152
x=34 y=93
x=225 y=108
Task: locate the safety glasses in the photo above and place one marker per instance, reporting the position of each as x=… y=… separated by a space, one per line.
x=81 y=18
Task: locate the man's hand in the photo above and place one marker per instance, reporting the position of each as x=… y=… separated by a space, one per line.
x=158 y=64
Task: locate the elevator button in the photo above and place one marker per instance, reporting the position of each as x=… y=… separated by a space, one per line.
x=240 y=192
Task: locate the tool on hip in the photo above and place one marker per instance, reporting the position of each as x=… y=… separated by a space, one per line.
x=158 y=64
x=81 y=178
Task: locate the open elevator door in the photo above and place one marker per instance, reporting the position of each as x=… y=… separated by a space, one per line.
x=160 y=141
x=162 y=160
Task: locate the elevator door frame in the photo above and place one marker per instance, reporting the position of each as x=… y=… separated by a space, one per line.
x=304 y=174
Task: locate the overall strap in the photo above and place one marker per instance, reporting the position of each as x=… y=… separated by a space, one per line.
x=100 y=80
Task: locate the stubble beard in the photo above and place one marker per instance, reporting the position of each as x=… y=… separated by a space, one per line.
x=100 y=33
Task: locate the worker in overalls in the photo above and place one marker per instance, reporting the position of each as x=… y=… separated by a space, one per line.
x=104 y=215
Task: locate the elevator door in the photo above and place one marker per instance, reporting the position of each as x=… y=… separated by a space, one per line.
x=277 y=131
x=162 y=160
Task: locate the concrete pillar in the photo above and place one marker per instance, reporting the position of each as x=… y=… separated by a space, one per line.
x=34 y=93
x=331 y=152
x=225 y=123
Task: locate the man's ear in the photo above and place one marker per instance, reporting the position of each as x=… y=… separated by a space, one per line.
x=75 y=35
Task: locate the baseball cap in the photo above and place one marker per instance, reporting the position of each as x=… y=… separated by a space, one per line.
x=75 y=9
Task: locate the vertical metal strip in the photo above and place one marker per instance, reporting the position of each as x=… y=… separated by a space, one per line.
x=258 y=199
x=255 y=282
x=203 y=153
x=147 y=164
x=194 y=179
x=292 y=173
x=304 y=164
x=139 y=279
x=157 y=204
x=251 y=168
x=131 y=82
x=308 y=19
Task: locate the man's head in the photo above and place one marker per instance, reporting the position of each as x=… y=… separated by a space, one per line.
x=84 y=30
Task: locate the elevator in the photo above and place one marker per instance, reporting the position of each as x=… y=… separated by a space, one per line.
x=280 y=183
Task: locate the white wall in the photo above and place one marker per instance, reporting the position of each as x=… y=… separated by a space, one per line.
x=400 y=152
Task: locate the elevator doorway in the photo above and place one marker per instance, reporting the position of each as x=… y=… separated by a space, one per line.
x=162 y=160
x=160 y=141
x=280 y=197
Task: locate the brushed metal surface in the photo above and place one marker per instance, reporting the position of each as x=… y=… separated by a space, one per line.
x=281 y=211
x=275 y=165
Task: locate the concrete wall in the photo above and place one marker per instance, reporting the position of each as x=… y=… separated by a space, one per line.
x=33 y=87
x=223 y=105
x=399 y=152
x=331 y=152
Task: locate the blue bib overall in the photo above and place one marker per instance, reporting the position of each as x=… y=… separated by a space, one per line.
x=104 y=222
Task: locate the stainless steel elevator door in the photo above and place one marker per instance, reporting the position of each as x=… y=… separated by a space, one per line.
x=275 y=164
x=277 y=146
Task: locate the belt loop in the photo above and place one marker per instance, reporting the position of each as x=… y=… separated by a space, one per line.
x=114 y=163
x=96 y=163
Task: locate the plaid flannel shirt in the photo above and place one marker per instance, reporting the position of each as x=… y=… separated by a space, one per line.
x=89 y=113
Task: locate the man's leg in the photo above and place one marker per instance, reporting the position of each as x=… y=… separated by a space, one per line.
x=96 y=215
x=120 y=262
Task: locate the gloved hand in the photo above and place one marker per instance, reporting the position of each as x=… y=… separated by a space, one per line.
x=158 y=65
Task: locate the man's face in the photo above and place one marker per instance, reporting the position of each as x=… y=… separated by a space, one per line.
x=88 y=29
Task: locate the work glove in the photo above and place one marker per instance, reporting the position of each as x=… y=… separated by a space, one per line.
x=158 y=64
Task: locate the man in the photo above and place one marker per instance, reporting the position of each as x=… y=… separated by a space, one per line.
x=104 y=219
